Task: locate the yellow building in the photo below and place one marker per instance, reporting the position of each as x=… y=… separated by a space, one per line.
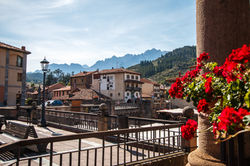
x=12 y=74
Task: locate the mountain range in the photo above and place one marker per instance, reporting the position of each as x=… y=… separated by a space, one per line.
x=115 y=62
x=154 y=64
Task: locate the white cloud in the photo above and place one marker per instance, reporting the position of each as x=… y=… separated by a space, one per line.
x=86 y=31
x=61 y=3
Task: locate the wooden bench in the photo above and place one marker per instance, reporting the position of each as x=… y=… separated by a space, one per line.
x=18 y=131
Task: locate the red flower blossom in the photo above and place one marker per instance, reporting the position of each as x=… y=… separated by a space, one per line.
x=198 y=66
x=242 y=112
x=190 y=75
x=203 y=57
x=208 y=85
x=188 y=130
x=241 y=55
x=228 y=70
x=218 y=70
x=230 y=116
x=176 y=89
x=202 y=106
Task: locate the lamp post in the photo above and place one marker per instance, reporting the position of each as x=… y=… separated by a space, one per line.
x=44 y=64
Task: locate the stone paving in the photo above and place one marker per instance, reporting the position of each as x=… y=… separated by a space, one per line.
x=130 y=154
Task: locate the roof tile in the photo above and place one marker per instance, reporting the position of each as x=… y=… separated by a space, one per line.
x=7 y=46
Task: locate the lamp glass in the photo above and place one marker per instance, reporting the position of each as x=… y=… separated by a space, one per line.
x=44 y=65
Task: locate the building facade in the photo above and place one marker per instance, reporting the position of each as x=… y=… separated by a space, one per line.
x=61 y=93
x=81 y=80
x=13 y=62
x=49 y=90
x=150 y=88
x=118 y=84
x=154 y=97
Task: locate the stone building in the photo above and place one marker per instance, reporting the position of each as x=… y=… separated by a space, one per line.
x=153 y=97
x=61 y=93
x=12 y=74
x=82 y=80
x=151 y=88
x=119 y=84
x=49 y=90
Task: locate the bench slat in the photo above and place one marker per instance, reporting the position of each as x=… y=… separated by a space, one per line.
x=21 y=131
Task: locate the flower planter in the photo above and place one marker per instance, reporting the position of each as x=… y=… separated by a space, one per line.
x=207 y=153
x=236 y=151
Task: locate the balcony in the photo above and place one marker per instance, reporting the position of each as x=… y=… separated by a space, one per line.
x=133 y=89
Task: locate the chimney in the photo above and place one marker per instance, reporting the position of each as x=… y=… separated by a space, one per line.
x=23 y=48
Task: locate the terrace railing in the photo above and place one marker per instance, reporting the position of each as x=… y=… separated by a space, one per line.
x=89 y=121
x=118 y=147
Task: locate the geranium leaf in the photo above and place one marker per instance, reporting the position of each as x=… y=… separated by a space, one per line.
x=247 y=99
x=246 y=120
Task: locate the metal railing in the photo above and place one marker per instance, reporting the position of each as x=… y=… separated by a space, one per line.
x=79 y=120
x=118 y=147
x=89 y=121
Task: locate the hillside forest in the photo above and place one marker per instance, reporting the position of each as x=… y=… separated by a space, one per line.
x=169 y=65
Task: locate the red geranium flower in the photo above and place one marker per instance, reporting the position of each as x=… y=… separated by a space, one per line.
x=188 y=130
x=203 y=57
x=176 y=89
x=218 y=70
x=202 y=106
x=230 y=116
x=240 y=55
x=208 y=85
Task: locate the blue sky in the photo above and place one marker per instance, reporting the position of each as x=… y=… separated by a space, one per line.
x=84 y=31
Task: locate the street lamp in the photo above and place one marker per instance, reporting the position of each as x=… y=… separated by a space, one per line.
x=45 y=65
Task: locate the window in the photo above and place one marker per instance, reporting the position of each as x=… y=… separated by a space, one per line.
x=82 y=80
x=127 y=94
x=132 y=77
x=107 y=87
x=111 y=94
x=104 y=77
x=19 y=61
x=128 y=76
x=136 y=77
x=19 y=76
x=63 y=93
x=119 y=94
x=96 y=76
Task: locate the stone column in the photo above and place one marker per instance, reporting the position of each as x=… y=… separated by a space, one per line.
x=208 y=153
x=102 y=118
x=222 y=25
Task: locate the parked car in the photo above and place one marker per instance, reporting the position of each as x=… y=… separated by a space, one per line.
x=53 y=103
